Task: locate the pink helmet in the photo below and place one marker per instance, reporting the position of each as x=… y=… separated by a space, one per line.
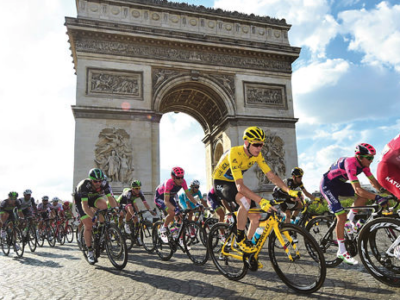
x=365 y=149
x=177 y=171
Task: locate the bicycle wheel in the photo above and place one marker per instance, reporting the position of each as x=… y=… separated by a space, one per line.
x=163 y=250
x=224 y=252
x=69 y=234
x=60 y=235
x=116 y=249
x=208 y=223
x=146 y=229
x=320 y=230
x=79 y=236
x=375 y=239
x=18 y=242
x=31 y=239
x=305 y=272
x=51 y=236
x=195 y=243
x=6 y=242
x=40 y=237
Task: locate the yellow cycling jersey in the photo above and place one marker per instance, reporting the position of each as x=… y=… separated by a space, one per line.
x=235 y=162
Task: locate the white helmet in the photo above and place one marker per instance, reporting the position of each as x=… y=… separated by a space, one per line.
x=55 y=199
x=195 y=183
x=28 y=192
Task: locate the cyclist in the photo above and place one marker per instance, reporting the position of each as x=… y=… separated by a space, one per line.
x=334 y=184
x=28 y=204
x=388 y=172
x=129 y=197
x=6 y=210
x=56 y=208
x=165 y=198
x=67 y=209
x=184 y=201
x=43 y=210
x=228 y=181
x=292 y=206
x=92 y=192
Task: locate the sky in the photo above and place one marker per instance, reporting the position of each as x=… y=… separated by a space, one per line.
x=346 y=89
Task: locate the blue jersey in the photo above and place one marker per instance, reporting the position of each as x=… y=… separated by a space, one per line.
x=183 y=198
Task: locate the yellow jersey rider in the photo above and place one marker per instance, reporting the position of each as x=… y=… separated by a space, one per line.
x=228 y=181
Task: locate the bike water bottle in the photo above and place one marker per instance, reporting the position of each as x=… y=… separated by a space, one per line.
x=257 y=235
x=296 y=221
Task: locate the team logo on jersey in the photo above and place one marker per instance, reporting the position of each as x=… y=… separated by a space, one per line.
x=219 y=187
x=234 y=161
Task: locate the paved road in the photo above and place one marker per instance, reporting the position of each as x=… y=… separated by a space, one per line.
x=62 y=273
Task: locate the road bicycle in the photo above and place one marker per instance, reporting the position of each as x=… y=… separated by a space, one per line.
x=29 y=232
x=206 y=219
x=190 y=237
x=379 y=244
x=293 y=252
x=46 y=233
x=59 y=230
x=12 y=236
x=323 y=229
x=106 y=236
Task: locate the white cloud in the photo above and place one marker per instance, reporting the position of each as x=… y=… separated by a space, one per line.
x=318 y=75
x=376 y=33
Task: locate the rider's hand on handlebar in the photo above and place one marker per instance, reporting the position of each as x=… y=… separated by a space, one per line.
x=294 y=194
x=381 y=200
x=266 y=205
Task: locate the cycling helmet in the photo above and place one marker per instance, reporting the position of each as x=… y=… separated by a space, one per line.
x=136 y=184
x=66 y=203
x=45 y=198
x=177 y=171
x=365 y=149
x=55 y=199
x=298 y=172
x=28 y=192
x=254 y=134
x=195 y=182
x=96 y=174
x=13 y=195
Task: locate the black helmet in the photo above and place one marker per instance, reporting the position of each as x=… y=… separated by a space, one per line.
x=298 y=172
x=136 y=184
x=13 y=195
x=96 y=174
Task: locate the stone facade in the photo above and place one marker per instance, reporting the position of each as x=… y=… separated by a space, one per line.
x=136 y=60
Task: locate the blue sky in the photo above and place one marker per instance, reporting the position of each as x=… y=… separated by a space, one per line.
x=346 y=89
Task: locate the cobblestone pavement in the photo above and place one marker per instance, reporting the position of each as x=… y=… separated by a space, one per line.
x=62 y=273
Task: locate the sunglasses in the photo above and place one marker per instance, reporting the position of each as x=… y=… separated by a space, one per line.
x=195 y=187
x=177 y=177
x=97 y=181
x=137 y=188
x=257 y=145
x=369 y=157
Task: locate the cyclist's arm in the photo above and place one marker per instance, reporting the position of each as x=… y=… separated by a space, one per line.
x=361 y=192
x=190 y=196
x=277 y=181
x=308 y=194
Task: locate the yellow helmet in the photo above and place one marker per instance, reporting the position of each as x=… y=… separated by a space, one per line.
x=254 y=134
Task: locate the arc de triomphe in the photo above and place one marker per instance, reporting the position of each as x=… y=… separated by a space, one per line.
x=136 y=60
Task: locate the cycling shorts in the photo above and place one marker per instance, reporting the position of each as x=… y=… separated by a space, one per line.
x=161 y=205
x=332 y=189
x=225 y=190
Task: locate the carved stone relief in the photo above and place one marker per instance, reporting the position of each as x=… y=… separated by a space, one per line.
x=113 y=154
x=274 y=154
x=265 y=95
x=182 y=55
x=115 y=83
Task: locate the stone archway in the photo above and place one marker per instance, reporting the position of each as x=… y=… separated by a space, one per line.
x=136 y=60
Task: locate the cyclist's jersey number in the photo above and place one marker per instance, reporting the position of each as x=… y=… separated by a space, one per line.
x=235 y=162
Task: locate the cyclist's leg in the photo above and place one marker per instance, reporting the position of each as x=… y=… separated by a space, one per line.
x=254 y=222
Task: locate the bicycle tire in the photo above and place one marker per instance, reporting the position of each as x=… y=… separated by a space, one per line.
x=128 y=240
x=195 y=242
x=163 y=250
x=304 y=274
x=6 y=242
x=318 y=227
x=374 y=240
x=60 y=235
x=146 y=230
x=31 y=239
x=40 y=237
x=231 y=267
x=116 y=249
x=51 y=236
x=18 y=242
x=69 y=234
x=208 y=224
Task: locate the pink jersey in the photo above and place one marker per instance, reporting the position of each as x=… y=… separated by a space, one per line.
x=347 y=168
x=169 y=187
